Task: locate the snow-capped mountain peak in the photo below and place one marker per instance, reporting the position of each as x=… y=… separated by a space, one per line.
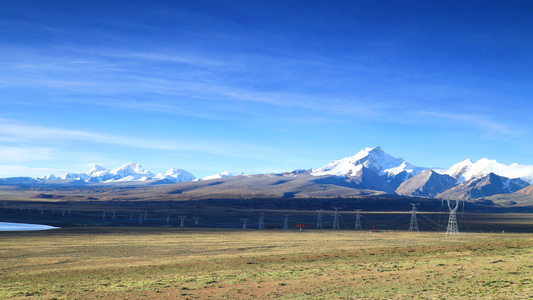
x=48 y=177
x=131 y=171
x=177 y=175
x=467 y=170
x=95 y=170
x=131 y=168
x=218 y=176
x=371 y=158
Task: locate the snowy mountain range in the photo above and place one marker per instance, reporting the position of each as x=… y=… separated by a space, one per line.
x=372 y=168
x=221 y=175
x=129 y=172
x=369 y=169
x=467 y=170
x=374 y=159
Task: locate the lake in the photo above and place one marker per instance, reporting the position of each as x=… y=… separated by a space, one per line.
x=5 y=226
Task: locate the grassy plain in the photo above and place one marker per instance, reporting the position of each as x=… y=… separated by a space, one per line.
x=169 y=263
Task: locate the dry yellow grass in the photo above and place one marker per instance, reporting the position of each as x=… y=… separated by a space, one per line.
x=159 y=263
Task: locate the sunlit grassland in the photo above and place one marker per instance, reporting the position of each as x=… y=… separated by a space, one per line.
x=186 y=263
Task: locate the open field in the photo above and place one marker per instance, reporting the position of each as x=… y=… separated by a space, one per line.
x=187 y=263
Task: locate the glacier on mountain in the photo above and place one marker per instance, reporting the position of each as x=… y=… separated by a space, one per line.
x=220 y=175
x=176 y=175
x=370 y=168
x=374 y=159
x=131 y=171
x=467 y=170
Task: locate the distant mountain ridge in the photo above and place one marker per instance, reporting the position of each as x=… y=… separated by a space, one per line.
x=371 y=169
x=426 y=184
x=131 y=171
x=467 y=170
x=484 y=186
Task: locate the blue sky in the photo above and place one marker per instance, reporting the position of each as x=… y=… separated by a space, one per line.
x=262 y=86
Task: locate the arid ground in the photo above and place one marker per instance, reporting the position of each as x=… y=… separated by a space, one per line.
x=169 y=263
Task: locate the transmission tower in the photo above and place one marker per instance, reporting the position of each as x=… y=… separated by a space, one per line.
x=452 y=221
x=182 y=220
x=113 y=217
x=319 y=220
x=336 y=220
x=168 y=219
x=358 y=220
x=286 y=222
x=196 y=220
x=262 y=221
x=244 y=222
x=131 y=217
x=413 y=226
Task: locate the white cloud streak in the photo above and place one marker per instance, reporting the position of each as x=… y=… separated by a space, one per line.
x=24 y=154
x=482 y=123
x=16 y=171
x=30 y=134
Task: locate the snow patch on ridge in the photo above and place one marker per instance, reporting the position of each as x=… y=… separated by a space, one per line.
x=131 y=171
x=218 y=176
x=467 y=170
x=372 y=158
x=177 y=175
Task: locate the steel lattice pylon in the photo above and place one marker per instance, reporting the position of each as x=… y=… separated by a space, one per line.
x=319 y=220
x=413 y=226
x=453 y=229
x=358 y=220
x=262 y=221
x=336 y=220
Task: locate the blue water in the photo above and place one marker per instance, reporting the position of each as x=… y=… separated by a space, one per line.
x=4 y=226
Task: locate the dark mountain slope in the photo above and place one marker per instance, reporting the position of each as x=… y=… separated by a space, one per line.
x=488 y=185
x=426 y=184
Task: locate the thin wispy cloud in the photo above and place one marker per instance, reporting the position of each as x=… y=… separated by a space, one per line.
x=17 y=170
x=191 y=82
x=14 y=132
x=482 y=123
x=25 y=154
